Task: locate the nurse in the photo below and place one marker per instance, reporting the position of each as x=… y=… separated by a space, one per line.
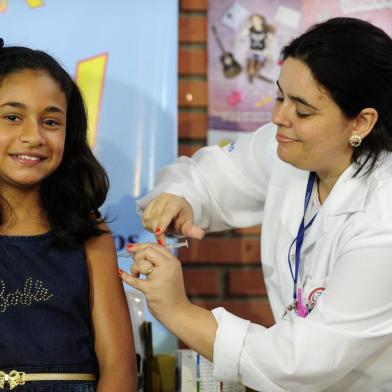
x=319 y=179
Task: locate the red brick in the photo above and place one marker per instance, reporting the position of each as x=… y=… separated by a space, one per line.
x=246 y=282
x=256 y=310
x=202 y=281
x=192 y=61
x=192 y=29
x=227 y=250
x=193 y=5
x=188 y=149
x=192 y=125
x=192 y=93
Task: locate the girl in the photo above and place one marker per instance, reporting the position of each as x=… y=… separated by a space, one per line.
x=64 y=321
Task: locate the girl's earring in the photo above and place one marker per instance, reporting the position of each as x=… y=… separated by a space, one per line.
x=355 y=141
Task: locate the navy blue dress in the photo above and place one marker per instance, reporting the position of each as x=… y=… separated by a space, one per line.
x=45 y=324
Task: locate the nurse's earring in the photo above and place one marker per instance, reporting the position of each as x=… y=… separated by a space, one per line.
x=355 y=141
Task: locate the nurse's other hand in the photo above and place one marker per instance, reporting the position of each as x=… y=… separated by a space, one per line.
x=164 y=285
x=172 y=214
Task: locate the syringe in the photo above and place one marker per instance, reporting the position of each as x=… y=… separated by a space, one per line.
x=176 y=245
x=171 y=246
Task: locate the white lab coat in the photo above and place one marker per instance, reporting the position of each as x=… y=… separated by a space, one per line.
x=345 y=343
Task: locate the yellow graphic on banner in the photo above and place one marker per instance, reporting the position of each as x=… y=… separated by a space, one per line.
x=35 y=3
x=90 y=77
x=30 y=3
x=3 y=5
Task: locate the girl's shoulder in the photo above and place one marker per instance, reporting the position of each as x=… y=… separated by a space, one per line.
x=100 y=242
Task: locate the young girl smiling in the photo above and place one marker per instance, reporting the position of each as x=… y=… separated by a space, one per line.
x=64 y=321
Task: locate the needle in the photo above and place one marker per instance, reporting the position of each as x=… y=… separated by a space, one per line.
x=124 y=253
x=177 y=245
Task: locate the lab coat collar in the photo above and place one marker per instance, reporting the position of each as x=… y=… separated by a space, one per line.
x=350 y=193
x=347 y=196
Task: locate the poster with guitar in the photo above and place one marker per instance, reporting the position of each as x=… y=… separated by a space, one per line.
x=244 y=42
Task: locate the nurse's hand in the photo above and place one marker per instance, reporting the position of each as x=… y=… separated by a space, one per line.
x=169 y=213
x=164 y=291
x=164 y=285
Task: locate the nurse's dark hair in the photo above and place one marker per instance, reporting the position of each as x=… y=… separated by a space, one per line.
x=70 y=196
x=352 y=59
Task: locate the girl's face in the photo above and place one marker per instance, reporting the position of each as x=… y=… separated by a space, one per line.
x=313 y=134
x=33 y=112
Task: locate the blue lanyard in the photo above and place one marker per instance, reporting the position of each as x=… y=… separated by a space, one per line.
x=299 y=239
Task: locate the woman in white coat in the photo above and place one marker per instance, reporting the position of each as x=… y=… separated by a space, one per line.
x=320 y=181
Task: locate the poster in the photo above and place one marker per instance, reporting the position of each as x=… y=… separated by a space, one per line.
x=130 y=87
x=244 y=44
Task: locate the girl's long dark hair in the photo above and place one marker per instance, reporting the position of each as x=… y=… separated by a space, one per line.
x=72 y=195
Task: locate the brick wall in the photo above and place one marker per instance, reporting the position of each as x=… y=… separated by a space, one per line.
x=223 y=269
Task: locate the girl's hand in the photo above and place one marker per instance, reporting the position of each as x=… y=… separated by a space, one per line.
x=164 y=285
x=172 y=213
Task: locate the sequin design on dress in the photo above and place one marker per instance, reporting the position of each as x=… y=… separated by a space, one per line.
x=33 y=292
